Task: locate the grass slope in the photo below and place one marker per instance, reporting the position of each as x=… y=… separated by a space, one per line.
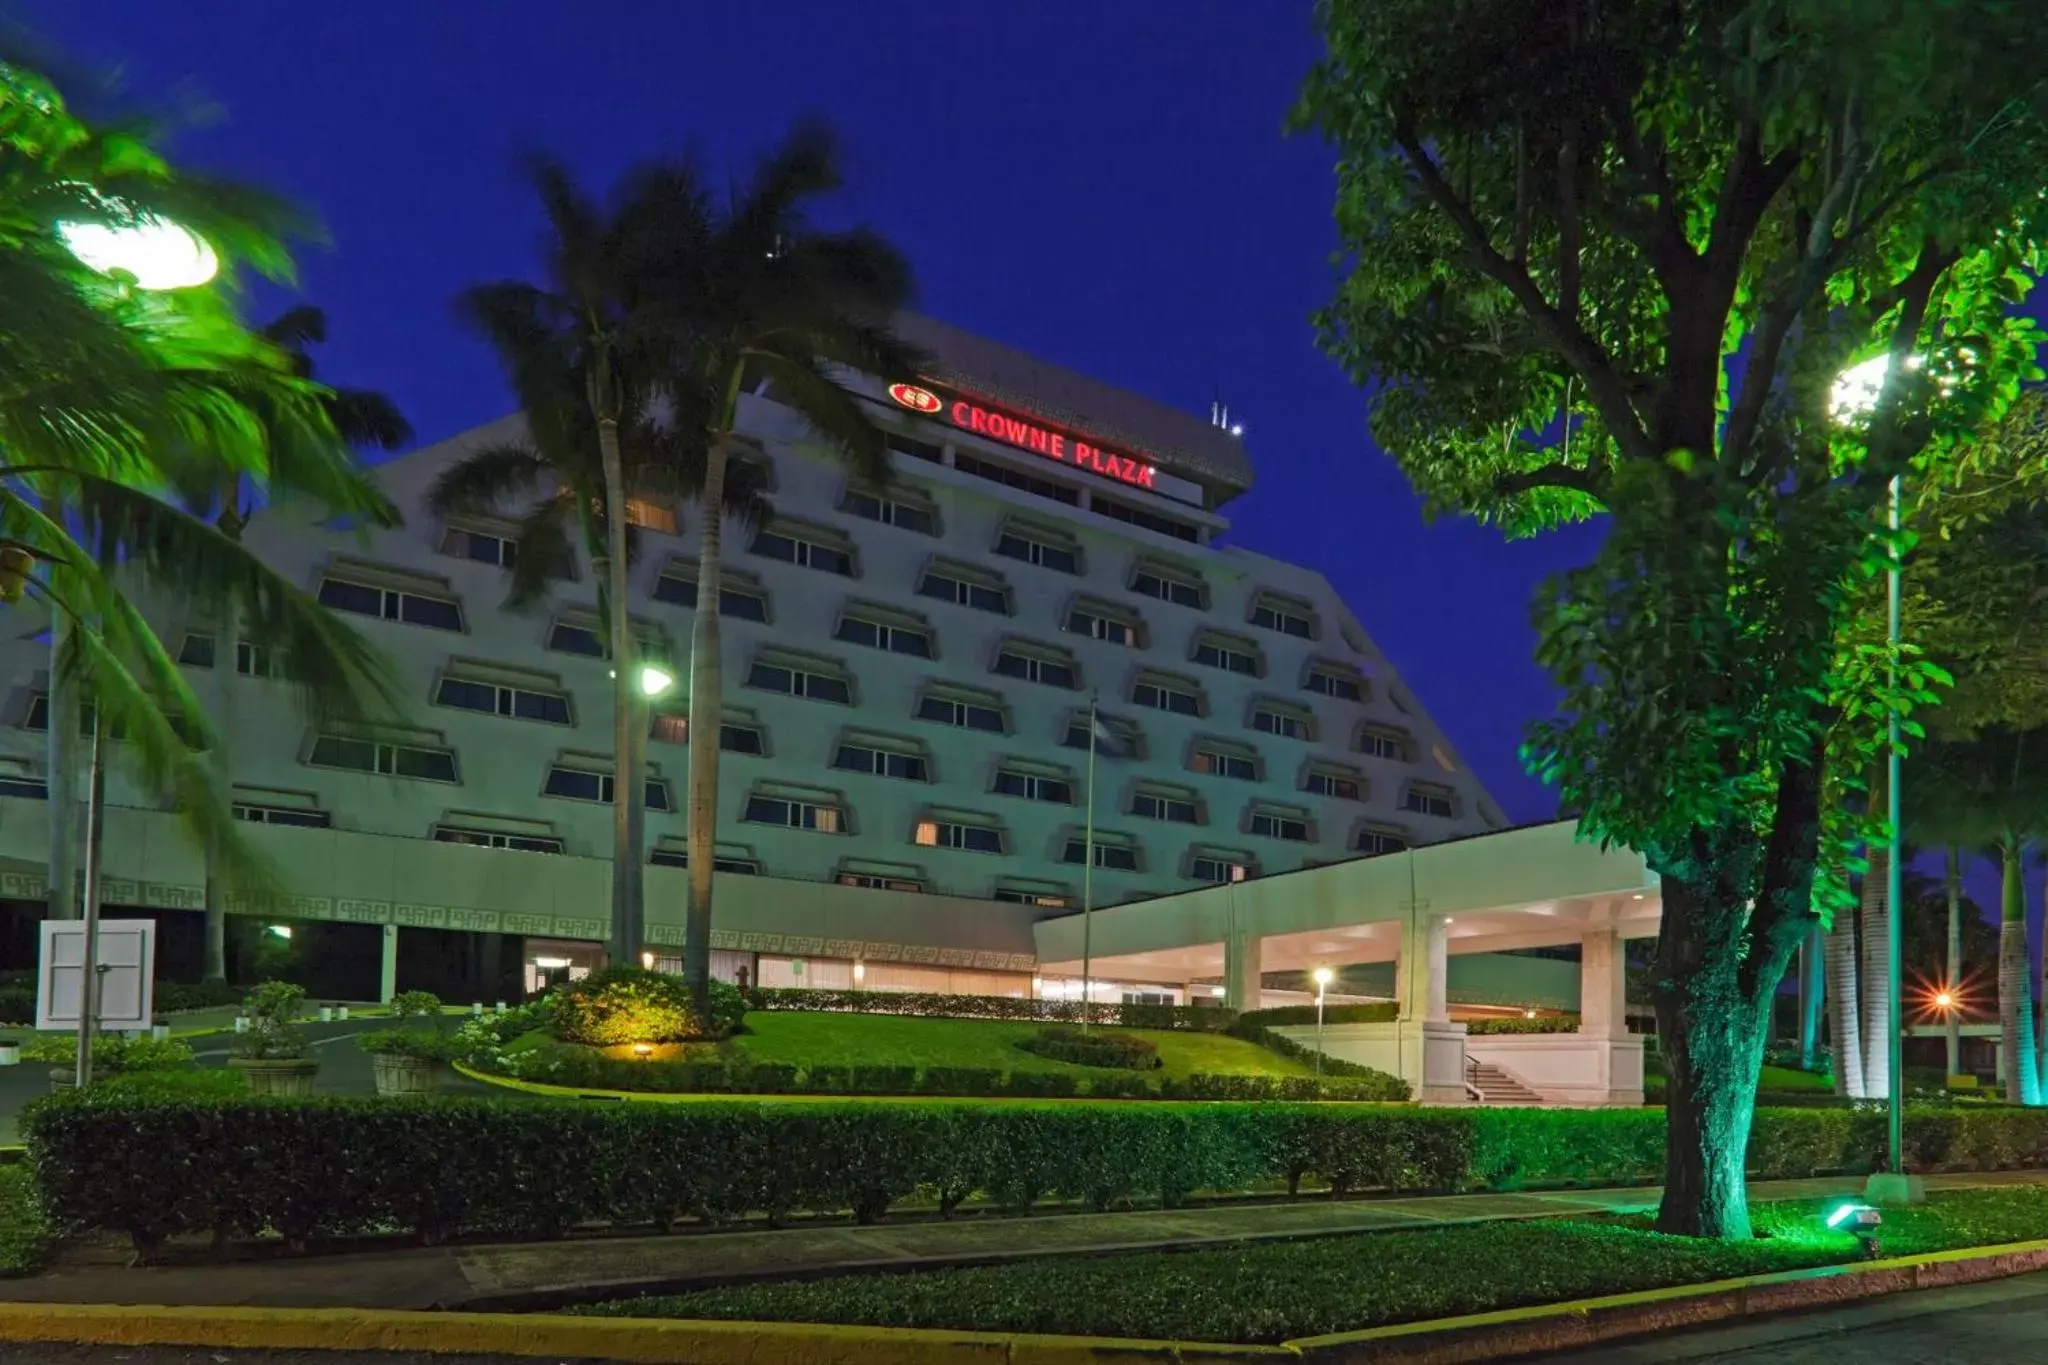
x=819 y=1039
x=1280 y=1290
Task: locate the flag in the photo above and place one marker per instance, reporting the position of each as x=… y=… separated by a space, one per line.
x=1108 y=743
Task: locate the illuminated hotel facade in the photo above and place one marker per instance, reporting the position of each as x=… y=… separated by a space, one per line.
x=908 y=671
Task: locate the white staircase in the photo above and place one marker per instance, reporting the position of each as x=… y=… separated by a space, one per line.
x=1490 y=1084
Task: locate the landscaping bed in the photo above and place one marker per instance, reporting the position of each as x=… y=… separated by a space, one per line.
x=1280 y=1290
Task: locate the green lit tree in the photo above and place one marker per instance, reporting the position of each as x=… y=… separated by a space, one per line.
x=1608 y=258
x=119 y=406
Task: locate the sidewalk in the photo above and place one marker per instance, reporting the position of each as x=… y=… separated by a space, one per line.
x=537 y=1275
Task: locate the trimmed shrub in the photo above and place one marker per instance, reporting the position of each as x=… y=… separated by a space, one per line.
x=1251 y=1030
x=1114 y=1087
x=174 y=997
x=883 y=1080
x=828 y=1079
x=158 y=1165
x=960 y=1080
x=1547 y=1023
x=626 y=1004
x=422 y=1044
x=1041 y=1085
x=1287 y=1016
x=1124 y=1050
x=1192 y=1018
x=763 y=1078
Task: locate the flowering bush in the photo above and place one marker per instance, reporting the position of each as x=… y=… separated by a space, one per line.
x=416 y=1005
x=273 y=1035
x=627 y=1004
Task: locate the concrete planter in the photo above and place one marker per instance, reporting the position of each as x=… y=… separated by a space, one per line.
x=288 y=1076
x=398 y=1075
x=62 y=1078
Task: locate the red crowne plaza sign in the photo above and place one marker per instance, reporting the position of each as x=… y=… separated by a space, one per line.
x=1027 y=433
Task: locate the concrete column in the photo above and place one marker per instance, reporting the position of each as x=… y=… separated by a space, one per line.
x=1603 y=984
x=1421 y=971
x=1242 y=971
x=387 y=981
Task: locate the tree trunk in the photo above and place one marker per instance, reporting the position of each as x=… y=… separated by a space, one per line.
x=707 y=715
x=1845 y=1031
x=64 y=779
x=627 y=793
x=2015 y=1010
x=216 y=965
x=1812 y=999
x=1953 y=968
x=1874 y=973
x=1714 y=990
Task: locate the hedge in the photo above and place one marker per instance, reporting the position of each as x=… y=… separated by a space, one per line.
x=1287 y=1016
x=1190 y=1018
x=1066 y=1044
x=155 y=1167
x=560 y=1064
x=1546 y=1023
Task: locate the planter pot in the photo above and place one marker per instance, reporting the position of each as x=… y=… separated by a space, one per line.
x=10 y=1054
x=62 y=1078
x=398 y=1075
x=288 y=1076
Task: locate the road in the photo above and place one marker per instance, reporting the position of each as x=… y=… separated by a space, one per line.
x=1990 y=1324
x=176 y=1355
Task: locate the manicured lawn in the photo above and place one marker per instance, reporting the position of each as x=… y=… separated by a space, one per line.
x=820 y=1039
x=1778 y=1078
x=1280 y=1290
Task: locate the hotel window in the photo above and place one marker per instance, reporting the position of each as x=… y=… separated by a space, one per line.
x=651 y=514
x=1280 y=718
x=388 y=758
x=818 y=811
x=1117 y=852
x=578 y=631
x=1157 y=801
x=1385 y=741
x=1217 y=866
x=735 y=736
x=493 y=838
x=1223 y=759
x=565 y=638
x=1165 y=692
x=577 y=782
x=518 y=701
x=914 y=449
x=880 y=876
x=1016 y=478
x=740 y=596
x=294 y=809
x=407 y=605
x=1027 y=891
x=1037 y=664
x=1228 y=652
x=905 y=513
x=879 y=628
x=1170 y=583
x=481 y=546
x=17 y=781
x=1330 y=779
x=258 y=661
x=1036 y=545
x=1335 y=680
x=1380 y=839
x=965 y=586
x=1125 y=739
x=809 y=547
x=1426 y=798
x=37 y=717
x=793 y=676
x=196 y=651
x=1139 y=516
x=1100 y=621
x=969 y=710
x=738 y=859
x=1289 y=616
x=1280 y=822
x=1034 y=782
x=883 y=757
x=973 y=834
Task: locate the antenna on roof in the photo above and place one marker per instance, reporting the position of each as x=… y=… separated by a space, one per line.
x=1219 y=417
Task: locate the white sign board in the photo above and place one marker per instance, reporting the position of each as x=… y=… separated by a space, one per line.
x=127 y=972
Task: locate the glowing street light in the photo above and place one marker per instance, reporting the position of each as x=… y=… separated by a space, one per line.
x=655 y=680
x=155 y=252
x=1323 y=976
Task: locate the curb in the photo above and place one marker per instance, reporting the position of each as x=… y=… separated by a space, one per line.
x=1444 y=1341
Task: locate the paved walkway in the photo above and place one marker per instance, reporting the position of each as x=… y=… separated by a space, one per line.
x=544 y=1274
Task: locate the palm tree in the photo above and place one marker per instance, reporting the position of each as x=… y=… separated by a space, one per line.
x=118 y=403
x=563 y=477
x=745 y=287
x=362 y=419
x=1992 y=791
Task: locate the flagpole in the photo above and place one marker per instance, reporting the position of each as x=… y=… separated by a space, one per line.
x=1088 y=877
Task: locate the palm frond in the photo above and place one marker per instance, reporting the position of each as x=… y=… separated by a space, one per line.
x=831 y=411
x=486 y=479
x=546 y=554
x=365 y=417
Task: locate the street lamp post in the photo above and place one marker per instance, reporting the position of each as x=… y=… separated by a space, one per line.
x=652 y=681
x=1323 y=977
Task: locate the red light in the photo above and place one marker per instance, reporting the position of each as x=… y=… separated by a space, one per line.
x=1025 y=434
x=914 y=398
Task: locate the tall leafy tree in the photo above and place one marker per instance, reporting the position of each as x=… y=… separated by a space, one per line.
x=117 y=405
x=1607 y=257
x=747 y=286
x=364 y=420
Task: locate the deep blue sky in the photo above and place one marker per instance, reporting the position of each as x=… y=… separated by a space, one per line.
x=1105 y=186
